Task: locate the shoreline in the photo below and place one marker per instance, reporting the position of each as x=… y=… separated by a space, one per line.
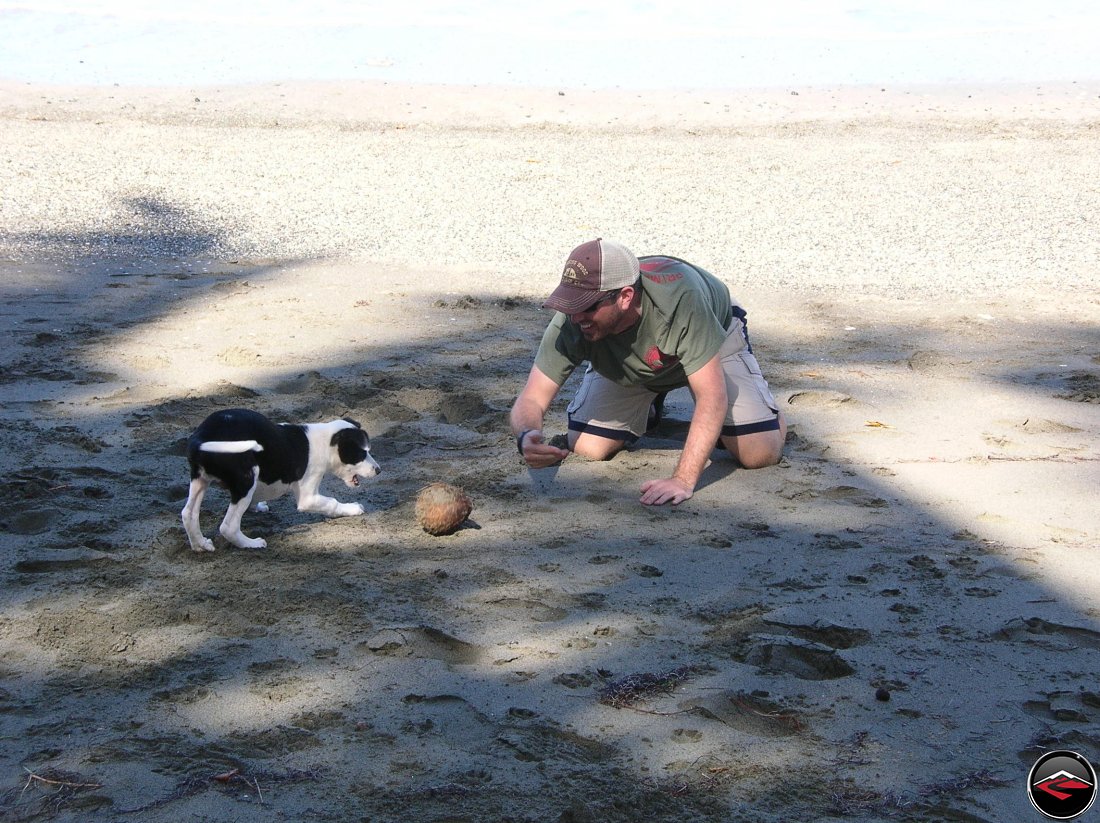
x=304 y=103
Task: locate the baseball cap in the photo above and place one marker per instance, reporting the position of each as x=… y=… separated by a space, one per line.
x=592 y=270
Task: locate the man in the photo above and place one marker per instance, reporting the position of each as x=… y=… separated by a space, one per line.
x=647 y=327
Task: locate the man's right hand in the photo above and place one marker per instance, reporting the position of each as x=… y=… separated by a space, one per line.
x=539 y=455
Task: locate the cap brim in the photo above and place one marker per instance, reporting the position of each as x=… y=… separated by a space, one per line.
x=571 y=300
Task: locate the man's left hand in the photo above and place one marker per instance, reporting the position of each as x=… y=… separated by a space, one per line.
x=669 y=490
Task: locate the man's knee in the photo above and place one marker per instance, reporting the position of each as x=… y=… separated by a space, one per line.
x=593 y=446
x=759 y=450
x=758 y=458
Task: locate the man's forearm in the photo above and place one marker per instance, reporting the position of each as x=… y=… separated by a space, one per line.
x=526 y=419
x=706 y=425
x=525 y=416
x=696 y=453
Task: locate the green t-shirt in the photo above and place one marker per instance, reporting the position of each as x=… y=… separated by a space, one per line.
x=685 y=314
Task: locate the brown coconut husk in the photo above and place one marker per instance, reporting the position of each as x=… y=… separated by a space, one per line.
x=441 y=508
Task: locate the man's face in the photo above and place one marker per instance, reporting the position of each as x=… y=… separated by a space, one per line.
x=604 y=317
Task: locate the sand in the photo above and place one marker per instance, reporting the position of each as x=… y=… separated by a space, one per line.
x=892 y=624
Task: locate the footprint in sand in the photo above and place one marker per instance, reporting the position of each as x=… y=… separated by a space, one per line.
x=43 y=338
x=757 y=527
x=835 y=542
x=1058 y=436
x=925 y=566
x=239 y=356
x=851 y=495
x=821 y=398
x=825 y=634
x=1044 y=633
x=277 y=742
x=806 y=661
x=537 y=744
x=1061 y=706
x=423 y=642
x=934 y=362
x=276 y=680
x=686 y=736
x=855 y=496
x=980 y=591
x=184 y=695
x=447 y=715
x=748 y=713
x=149 y=363
x=573 y=680
x=1039 y=426
x=31 y=520
x=64 y=560
x=530 y=609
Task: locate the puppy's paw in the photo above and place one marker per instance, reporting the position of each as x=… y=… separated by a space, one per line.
x=204 y=545
x=261 y=506
x=349 y=510
x=241 y=540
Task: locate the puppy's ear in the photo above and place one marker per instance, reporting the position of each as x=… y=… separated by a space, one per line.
x=352 y=445
x=356 y=436
x=353 y=422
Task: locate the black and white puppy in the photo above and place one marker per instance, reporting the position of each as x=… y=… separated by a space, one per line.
x=257 y=461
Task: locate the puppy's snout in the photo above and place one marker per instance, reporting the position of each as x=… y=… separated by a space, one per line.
x=369 y=468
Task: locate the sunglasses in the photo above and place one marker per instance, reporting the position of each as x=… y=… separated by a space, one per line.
x=607 y=298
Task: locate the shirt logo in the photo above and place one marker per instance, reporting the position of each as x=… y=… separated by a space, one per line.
x=671 y=277
x=657 y=359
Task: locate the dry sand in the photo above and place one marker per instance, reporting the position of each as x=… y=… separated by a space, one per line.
x=921 y=270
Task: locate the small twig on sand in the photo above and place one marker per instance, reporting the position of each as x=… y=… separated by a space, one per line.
x=235 y=774
x=784 y=718
x=652 y=711
x=708 y=778
x=33 y=778
x=230 y=778
x=1052 y=458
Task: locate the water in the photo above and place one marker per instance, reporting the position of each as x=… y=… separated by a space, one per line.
x=618 y=43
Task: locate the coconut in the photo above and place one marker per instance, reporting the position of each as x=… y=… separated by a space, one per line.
x=441 y=508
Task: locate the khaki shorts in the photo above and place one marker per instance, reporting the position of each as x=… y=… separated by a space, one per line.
x=606 y=409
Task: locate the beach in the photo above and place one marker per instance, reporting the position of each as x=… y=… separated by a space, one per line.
x=892 y=624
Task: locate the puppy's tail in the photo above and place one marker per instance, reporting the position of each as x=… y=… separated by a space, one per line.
x=231 y=446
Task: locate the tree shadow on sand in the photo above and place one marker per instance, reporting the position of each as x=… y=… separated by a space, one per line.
x=813 y=626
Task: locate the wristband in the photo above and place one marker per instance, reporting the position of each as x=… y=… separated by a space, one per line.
x=519 y=440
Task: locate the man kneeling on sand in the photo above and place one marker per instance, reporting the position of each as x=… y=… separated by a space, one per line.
x=646 y=327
